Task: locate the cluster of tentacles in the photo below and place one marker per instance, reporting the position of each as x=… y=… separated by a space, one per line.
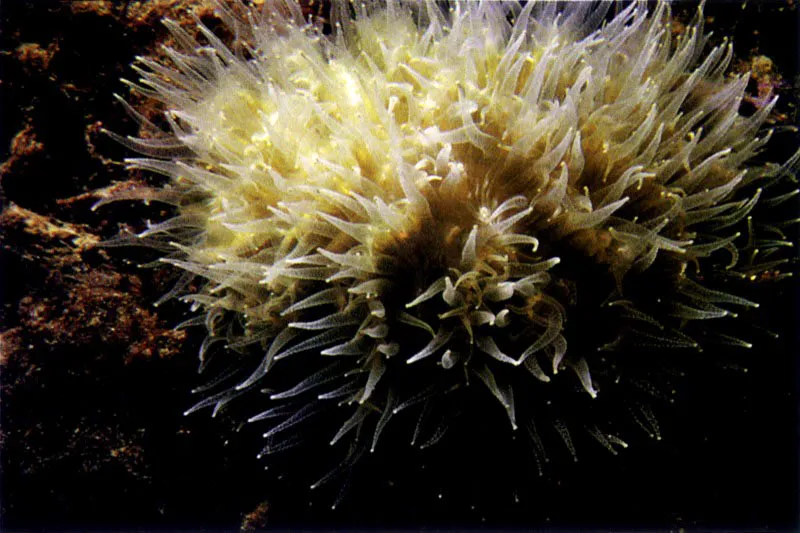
x=424 y=204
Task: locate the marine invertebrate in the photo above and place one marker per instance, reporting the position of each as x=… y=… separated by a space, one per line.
x=427 y=207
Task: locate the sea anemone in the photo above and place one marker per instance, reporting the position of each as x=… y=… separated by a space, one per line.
x=417 y=208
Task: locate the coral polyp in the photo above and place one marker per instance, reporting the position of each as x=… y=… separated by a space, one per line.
x=422 y=205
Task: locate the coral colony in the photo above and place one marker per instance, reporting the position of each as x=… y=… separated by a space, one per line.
x=411 y=208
